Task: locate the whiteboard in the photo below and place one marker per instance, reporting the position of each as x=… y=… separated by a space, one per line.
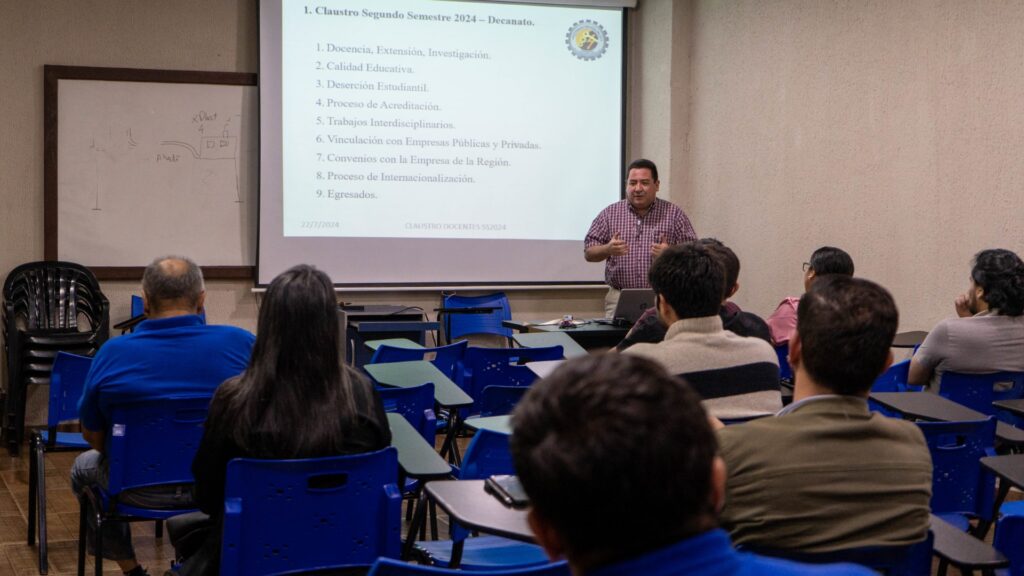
x=152 y=167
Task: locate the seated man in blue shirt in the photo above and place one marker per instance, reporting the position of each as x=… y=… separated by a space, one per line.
x=172 y=352
x=619 y=461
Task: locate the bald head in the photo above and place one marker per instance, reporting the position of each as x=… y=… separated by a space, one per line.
x=173 y=285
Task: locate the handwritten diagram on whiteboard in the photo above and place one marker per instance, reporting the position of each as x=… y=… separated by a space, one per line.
x=148 y=168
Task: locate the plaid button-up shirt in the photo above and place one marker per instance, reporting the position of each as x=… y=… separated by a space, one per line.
x=663 y=220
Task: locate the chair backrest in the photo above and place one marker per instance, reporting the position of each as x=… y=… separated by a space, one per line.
x=457 y=325
x=959 y=482
x=483 y=367
x=50 y=295
x=138 y=306
x=444 y=358
x=785 y=371
x=488 y=454
x=498 y=400
x=388 y=567
x=153 y=442
x=284 y=516
x=66 y=383
x=909 y=560
x=416 y=404
x=978 y=391
x=894 y=379
x=1009 y=540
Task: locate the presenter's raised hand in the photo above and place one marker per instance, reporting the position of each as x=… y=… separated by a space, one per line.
x=617 y=246
x=657 y=248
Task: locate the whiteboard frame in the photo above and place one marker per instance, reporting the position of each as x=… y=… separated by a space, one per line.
x=52 y=75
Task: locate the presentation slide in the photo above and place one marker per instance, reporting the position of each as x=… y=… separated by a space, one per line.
x=423 y=120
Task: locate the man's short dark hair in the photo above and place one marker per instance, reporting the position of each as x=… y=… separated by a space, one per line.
x=163 y=282
x=1000 y=273
x=616 y=455
x=846 y=326
x=831 y=260
x=730 y=262
x=642 y=163
x=690 y=278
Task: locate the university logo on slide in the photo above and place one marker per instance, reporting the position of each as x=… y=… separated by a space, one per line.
x=587 y=40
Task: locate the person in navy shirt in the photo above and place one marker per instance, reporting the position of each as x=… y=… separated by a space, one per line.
x=172 y=352
x=620 y=464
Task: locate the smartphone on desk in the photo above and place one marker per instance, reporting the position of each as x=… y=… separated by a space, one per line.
x=508 y=490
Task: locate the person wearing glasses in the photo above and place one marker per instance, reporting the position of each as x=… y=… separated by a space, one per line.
x=628 y=235
x=824 y=260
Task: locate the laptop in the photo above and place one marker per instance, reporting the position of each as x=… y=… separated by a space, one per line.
x=632 y=303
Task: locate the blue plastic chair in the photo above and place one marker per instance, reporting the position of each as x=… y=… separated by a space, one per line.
x=66 y=383
x=386 y=567
x=416 y=404
x=910 y=560
x=483 y=367
x=455 y=325
x=895 y=379
x=444 y=358
x=1009 y=540
x=961 y=487
x=785 y=371
x=978 y=391
x=488 y=454
x=151 y=443
x=499 y=400
x=285 y=516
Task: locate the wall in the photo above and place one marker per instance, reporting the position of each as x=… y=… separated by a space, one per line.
x=220 y=36
x=891 y=129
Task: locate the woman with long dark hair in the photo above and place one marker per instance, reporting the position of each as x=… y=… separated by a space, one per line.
x=295 y=400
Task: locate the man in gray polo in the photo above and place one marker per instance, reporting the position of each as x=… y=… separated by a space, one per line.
x=988 y=333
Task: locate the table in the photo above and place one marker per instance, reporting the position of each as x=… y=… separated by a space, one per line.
x=416 y=372
x=446 y=392
x=1015 y=406
x=963 y=550
x=1010 y=470
x=394 y=342
x=910 y=339
x=493 y=423
x=416 y=457
x=467 y=502
x=928 y=406
x=544 y=339
x=590 y=335
x=377 y=321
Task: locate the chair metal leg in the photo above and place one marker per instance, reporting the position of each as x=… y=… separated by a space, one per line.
x=81 y=535
x=433 y=520
x=159 y=529
x=414 y=528
x=37 y=457
x=98 y=539
x=32 y=472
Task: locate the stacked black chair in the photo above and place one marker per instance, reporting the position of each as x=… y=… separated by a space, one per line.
x=48 y=307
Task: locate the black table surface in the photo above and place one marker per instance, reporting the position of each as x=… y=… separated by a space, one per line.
x=1009 y=467
x=1016 y=406
x=909 y=339
x=962 y=549
x=928 y=406
x=475 y=508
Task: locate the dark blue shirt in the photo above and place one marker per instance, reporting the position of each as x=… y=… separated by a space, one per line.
x=163 y=357
x=712 y=554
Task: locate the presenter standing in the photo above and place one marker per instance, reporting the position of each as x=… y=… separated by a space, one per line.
x=631 y=233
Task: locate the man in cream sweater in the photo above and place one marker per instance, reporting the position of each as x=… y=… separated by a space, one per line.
x=738 y=377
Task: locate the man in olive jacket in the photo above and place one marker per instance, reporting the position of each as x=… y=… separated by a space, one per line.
x=826 y=473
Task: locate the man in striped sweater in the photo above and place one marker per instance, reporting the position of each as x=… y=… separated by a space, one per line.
x=738 y=377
